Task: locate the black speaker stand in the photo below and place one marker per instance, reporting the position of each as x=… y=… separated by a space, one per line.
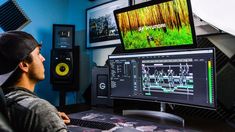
x=71 y=108
x=62 y=98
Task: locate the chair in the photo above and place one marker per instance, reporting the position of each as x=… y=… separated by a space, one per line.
x=2 y=102
x=4 y=124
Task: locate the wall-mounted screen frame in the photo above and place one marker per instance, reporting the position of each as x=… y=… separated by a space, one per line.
x=101 y=29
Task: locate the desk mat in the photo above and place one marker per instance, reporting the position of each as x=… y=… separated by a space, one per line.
x=123 y=124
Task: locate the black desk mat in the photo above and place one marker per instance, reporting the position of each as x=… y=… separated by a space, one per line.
x=123 y=124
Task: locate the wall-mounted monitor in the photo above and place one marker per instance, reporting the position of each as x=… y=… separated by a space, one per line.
x=185 y=77
x=157 y=24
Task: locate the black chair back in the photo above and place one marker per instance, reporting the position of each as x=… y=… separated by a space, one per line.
x=4 y=124
x=2 y=102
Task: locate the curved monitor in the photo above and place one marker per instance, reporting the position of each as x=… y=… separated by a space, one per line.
x=157 y=24
x=185 y=77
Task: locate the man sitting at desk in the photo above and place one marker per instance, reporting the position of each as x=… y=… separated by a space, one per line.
x=21 y=67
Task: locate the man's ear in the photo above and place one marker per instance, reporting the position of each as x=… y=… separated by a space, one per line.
x=24 y=66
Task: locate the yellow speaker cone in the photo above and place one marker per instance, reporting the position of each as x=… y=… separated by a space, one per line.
x=62 y=69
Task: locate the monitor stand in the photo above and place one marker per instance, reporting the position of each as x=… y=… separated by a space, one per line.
x=158 y=114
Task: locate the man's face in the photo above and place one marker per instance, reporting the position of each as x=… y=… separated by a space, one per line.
x=36 y=69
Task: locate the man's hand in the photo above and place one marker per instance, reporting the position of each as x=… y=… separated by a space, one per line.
x=64 y=117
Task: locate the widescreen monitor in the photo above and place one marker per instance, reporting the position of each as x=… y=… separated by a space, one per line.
x=157 y=24
x=185 y=77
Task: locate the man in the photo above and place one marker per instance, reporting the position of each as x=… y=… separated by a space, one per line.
x=21 y=67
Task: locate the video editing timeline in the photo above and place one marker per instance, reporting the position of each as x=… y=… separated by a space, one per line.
x=184 y=77
x=167 y=76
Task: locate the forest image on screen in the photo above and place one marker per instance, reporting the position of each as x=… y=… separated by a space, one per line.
x=159 y=25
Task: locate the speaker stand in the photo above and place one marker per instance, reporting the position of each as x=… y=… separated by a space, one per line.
x=62 y=98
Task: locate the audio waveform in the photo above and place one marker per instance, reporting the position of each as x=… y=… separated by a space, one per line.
x=167 y=78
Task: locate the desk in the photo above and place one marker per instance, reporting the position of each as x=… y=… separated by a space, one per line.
x=123 y=124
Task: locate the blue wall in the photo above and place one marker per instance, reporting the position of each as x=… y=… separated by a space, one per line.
x=77 y=15
x=77 y=11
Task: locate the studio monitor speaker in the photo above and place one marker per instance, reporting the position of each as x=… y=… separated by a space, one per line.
x=100 y=89
x=61 y=66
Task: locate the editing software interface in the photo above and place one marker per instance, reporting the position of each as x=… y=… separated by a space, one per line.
x=182 y=77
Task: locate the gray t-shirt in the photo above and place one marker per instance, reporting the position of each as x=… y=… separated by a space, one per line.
x=29 y=113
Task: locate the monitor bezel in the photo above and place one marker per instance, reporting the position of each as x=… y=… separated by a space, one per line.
x=150 y=3
x=214 y=107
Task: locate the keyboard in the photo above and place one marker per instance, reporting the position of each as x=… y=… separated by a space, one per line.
x=92 y=124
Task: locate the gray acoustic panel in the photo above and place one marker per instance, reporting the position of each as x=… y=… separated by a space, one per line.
x=225 y=42
x=225 y=85
x=221 y=58
x=202 y=28
x=219 y=114
x=12 y=16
